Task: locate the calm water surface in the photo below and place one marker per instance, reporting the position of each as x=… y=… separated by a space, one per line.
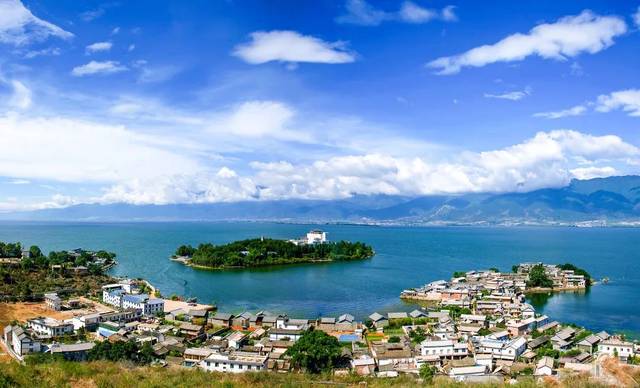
x=405 y=257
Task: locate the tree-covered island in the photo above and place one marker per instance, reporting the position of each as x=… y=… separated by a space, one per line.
x=259 y=252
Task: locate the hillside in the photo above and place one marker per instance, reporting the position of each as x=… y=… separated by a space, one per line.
x=614 y=200
x=110 y=374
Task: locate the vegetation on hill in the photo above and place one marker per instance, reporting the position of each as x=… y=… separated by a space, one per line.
x=315 y=352
x=57 y=373
x=261 y=252
x=29 y=278
x=577 y=271
x=538 y=277
x=122 y=351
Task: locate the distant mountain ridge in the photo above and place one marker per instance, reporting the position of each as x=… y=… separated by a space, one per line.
x=613 y=200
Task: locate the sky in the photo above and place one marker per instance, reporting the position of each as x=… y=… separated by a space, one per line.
x=159 y=102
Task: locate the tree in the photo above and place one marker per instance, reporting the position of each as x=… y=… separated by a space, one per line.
x=459 y=274
x=427 y=372
x=539 y=278
x=35 y=251
x=315 y=352
x=185 y=250
x=394 y=340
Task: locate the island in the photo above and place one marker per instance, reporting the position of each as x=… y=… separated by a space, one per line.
x=260 y=252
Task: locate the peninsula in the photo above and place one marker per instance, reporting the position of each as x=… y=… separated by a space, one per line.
x=525 y=278
x=260 y=252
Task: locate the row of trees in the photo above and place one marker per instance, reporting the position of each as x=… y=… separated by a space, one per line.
x=259 y=252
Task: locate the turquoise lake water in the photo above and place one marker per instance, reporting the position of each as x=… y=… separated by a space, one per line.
x=405 y=257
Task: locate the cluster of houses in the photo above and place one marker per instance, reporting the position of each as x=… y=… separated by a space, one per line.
x=486 y=287
x=481 y=329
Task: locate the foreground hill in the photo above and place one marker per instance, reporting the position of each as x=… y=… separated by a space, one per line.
x=111 y=374
x=613 y=200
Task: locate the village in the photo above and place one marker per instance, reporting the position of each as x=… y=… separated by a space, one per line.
x=477 y=327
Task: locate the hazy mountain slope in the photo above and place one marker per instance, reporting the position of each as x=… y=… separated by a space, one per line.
x=612 y=199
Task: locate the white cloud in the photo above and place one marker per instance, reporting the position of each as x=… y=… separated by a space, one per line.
x=448 y=14
x=513 y=96
x=636 y=17
x=362 y=13
x=91 y=15
x=410 y=12
x=627 y=100
x=94 y=67
x=546 y=160
x=21 y=97
x=71 y=150
x=115 y=31
x=567 y=37
x=131 y=47
x=291 y=46
x=574 y=111
x=593 y=172
x=51 y=51
x=98 y=47
x=153 y=74
x=18 y=26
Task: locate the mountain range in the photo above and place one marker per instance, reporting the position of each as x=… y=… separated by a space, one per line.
x=594 y=202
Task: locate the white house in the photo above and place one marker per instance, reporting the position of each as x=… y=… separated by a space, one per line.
x=50 y=327
x=503 y=350
x=52 y=300
x=544 y=367
x=444 y=348
x=19 y=341
x=149 y=306
x=112 y=294
x=316 y=237
x=616 y=347
x=236 y=362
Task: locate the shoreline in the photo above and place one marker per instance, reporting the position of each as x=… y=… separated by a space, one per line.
x=187 y=262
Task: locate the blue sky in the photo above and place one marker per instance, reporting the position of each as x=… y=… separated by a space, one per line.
x=154 y=102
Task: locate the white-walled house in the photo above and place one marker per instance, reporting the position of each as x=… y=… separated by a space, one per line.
x=616 y=347
x=149 y=306
x=50 y=327
x=444 y=348
x=53 y=301
x=503 y=350
x=19 y=342
x=236 y=362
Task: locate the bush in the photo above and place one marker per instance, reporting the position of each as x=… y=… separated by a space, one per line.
x=394 y=340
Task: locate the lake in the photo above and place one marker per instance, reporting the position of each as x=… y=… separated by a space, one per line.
x=405 y=257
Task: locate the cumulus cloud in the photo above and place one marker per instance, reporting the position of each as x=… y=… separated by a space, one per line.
x=573 y=111
x=545 y=160
x=18 y=26
x=567 y=37
x=98 y=47
x=362 y=13
x=627 y=100
x=98 y=68
x=513 y=96
x=636 y=17
x=292 y=47
x=593 y=172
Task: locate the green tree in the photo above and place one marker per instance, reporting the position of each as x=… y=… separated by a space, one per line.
x=394 y=339
x=538 y=277
x=427 y=372
x=315 y=352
